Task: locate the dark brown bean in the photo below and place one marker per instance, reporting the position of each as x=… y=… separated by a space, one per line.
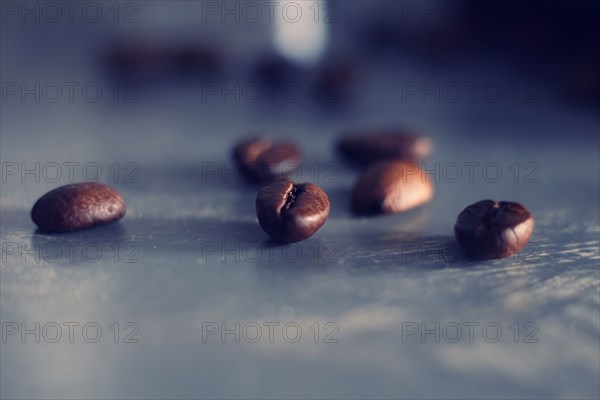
x=78 y=206
x=391 y=187
x=488 y=229
x=291 y=212
x=260 y=160
x=369 y=148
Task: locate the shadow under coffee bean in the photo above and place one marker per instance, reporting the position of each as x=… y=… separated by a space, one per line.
x=291 y=212
x=488 y=230
x=77 y=206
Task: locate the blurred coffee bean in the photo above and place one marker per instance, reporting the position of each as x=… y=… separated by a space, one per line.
x=488 y=230
x=78 y=206
x=291 y=212
x=136 y=61
x=196 y=59
x=260 y=160
x=391 y=187
x=144 y=60
x=371 y=147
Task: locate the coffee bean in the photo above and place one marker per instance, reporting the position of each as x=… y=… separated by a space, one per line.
x=78 y=206
x=391 y=187
x=488 y=229
x=291 y=212
x=260 y=160
x=369 y=148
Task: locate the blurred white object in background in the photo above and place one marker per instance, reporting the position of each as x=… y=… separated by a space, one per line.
x=301 y=33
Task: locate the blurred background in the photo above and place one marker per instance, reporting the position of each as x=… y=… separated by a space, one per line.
x=150 y=97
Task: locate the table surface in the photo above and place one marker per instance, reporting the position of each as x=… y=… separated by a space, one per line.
x=374 y=303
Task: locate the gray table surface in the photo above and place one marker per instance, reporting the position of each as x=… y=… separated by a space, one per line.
x=191 y=257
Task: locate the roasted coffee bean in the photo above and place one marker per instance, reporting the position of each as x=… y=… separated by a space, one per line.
x=391 y=187
x=488 y=229
x=291 y=212
x=260 y=160
x=78 y=206
x=369 y=148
